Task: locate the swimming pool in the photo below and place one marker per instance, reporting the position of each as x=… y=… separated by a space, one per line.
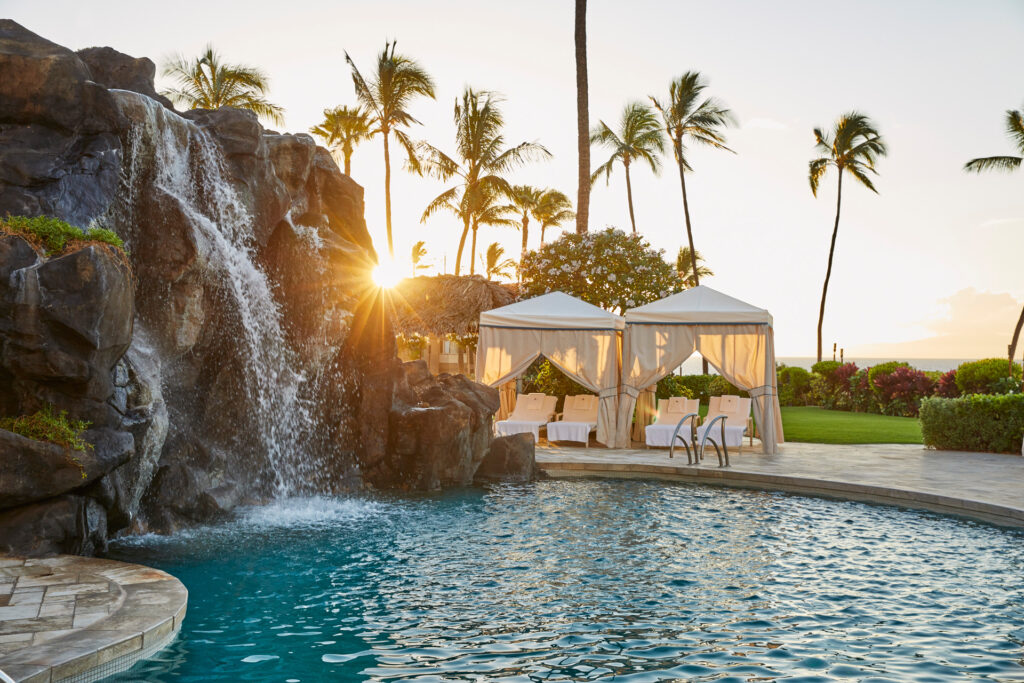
x=587 y=580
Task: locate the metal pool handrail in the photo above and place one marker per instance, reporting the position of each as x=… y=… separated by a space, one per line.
x=704 y=440
x=675 y=435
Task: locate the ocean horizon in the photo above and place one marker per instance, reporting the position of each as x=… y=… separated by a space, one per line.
x=692 y=366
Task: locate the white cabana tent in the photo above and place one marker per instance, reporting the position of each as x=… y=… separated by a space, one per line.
x=733 y=336
x=580 y=339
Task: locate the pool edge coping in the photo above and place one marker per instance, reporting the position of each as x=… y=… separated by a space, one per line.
x=979 y=510
x=147 y=621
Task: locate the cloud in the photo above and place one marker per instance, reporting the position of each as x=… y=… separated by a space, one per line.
x=997 y=222
x=765 y=124
x=978 y=325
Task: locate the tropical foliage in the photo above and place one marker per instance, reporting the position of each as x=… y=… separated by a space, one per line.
x=208 y=82
x=342 y=129
x=479 y=164
x=554 y=210
x=691 y=119
x=684 y=266
x=638 y=138
x=54 y=236
x=525 y=200
x=416 y=256
x=394 y=84
x=853 y=146
x=609 y=269
x=496 y=265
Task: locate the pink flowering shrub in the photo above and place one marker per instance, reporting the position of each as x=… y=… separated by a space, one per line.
x=946 y=386
x=900 y=391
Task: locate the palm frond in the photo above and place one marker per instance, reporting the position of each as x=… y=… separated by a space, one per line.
x=817 y=170
x=1006 y=163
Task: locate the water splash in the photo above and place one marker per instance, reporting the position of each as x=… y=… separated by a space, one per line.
x=176 y=157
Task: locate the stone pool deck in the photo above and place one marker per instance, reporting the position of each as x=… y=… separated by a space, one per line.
x=985 y=486
x=81 y=618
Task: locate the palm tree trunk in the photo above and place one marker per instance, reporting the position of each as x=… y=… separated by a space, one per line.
x=828 y=270
x=543 y=229
x=472 y=252
x=1016 y=337
x=689 y=231
x=582 y=119
x=462 y=244
x=522 y=254
x=629 y=198
x=348 y=162
x=387 y=194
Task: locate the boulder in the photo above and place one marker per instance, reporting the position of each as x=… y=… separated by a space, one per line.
x=116 y=70
x=510 y=458
x=439 y=431
x=60 y=152
x=66 y=524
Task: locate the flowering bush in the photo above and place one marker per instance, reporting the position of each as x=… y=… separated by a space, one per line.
x=608 y=268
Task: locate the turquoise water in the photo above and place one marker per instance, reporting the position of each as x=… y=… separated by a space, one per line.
x=592 y=580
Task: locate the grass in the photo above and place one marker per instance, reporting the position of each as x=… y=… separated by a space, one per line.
x=55 y=428
x=817 y=425
x=54 y=236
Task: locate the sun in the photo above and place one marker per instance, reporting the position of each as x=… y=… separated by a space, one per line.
x=386 y=274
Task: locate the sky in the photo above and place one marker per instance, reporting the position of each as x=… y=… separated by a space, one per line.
x=929 y=267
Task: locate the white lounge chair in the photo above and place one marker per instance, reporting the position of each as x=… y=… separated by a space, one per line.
x=578 y=419
x=532 y=412
x=670 y=411
x=736 y=424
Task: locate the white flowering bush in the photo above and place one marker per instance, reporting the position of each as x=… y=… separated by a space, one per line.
x=610 y=269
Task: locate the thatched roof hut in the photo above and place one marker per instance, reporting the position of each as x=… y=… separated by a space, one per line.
x=446 y=304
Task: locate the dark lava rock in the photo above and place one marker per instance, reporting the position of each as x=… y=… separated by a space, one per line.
x=116 y=70
x=66 y=524
x=510 y=458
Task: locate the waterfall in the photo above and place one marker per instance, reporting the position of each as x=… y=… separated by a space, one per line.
x=175 y=156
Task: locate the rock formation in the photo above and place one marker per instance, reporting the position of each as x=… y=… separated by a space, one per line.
x=240 y=352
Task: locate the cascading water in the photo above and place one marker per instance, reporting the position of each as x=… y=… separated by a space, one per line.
x=175 y=156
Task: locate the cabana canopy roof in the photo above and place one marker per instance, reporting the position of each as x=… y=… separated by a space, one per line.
x=446 y=304
x=553 y=311
x=699 y=305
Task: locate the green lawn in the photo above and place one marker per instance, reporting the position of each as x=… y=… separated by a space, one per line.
x=817 y=425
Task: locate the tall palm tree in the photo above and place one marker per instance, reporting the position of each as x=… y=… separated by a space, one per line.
x=342 y=129
x=526 y=200
x=488 y=210
x=582 y=119
x=688 y=118
x=480 y=162
x=494 y=263
x=419 y=252
x=638 y=138
x=853 y=146
x=208 y=82
x=1015 y=129
x=684 y=266
x=555 y=208
x=396 y=82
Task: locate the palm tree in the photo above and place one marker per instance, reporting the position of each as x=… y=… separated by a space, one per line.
x=684 y=266
x=582 y=119
x=482 y=162
x=1015 y=129
x=342 y=129
x=494 y=264
x=397 y=81
x=853 y=146
x=207 y=82
x=419 y=252
x=638 y=138
x=487 y=210
x=687 y=118
x=555 y=208
x=526 y=200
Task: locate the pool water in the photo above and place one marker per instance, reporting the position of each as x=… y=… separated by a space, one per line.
x=591 y=580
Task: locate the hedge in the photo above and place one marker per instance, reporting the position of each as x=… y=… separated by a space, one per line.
x=977 y=422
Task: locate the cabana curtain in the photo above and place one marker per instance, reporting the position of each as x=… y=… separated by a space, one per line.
x=735 y=337
x=579 y=339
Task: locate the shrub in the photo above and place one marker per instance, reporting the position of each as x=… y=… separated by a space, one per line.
x=900 y=391
x=698 y=386
x=794 y=386
x=946 y=386
x=673 y=385
x=974 y=423
x=881 y=369
x=53 y=235
x=720 y=386
x=607 y=268
x=1005 y=385
x=980 y=376
x=862 y=397
x=825 y=368
x=44 y=425
x=545 y=378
